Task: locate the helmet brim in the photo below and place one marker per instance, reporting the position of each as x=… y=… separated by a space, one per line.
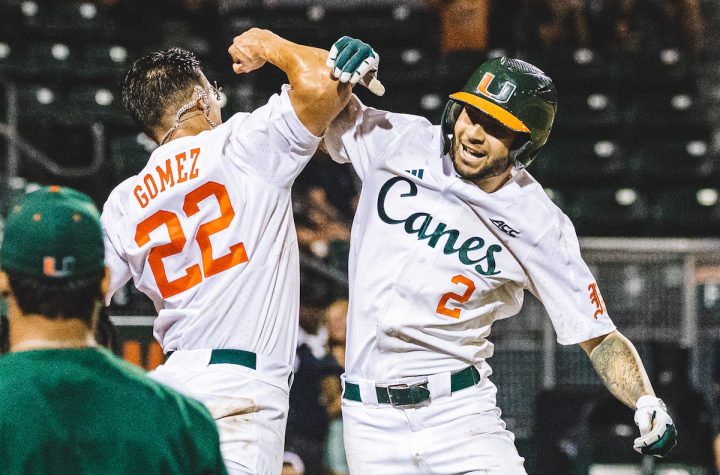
x=493 y=110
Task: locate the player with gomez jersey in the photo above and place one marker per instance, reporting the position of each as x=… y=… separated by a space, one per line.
x=206 y=230
x=449 y=232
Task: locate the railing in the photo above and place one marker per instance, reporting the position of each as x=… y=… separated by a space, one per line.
x=17 y=146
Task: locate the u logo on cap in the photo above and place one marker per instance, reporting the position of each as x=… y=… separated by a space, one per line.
x=50 y=269
x=504 y=93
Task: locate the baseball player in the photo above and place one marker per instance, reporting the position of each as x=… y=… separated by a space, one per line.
x=67 y=405
x=206 y=230
x=450 y=231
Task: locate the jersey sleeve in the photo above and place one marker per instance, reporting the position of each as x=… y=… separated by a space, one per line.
x=271 y=142
x=364 y=136
x=114 y=256
x=561 y=280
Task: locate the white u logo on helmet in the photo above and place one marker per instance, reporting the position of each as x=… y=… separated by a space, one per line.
x=506 y=91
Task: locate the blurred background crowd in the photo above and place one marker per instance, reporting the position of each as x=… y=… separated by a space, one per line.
x=634 y=153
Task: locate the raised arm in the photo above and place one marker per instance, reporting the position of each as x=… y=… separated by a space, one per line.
x=619 y=366
x=316 y=95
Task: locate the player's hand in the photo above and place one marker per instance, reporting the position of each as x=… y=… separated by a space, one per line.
x=658 y=435
x=248 y=50
x=352 y=60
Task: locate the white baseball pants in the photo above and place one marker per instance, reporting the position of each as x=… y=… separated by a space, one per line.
x=251 y=414
x=457 y=433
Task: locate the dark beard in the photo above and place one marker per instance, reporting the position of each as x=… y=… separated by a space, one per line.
x=496 y=168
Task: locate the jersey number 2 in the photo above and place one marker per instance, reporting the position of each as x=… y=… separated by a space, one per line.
x=210 y=266
x=455 y=312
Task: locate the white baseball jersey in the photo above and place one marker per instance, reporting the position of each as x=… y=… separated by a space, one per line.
x=434 y=260
x=206 y=231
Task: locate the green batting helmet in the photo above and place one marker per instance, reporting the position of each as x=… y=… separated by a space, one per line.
x=516 y=94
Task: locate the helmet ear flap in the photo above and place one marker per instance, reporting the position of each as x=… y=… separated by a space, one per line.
x=449 y=117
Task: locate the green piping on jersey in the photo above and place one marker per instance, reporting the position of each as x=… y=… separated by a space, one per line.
x=418 y=223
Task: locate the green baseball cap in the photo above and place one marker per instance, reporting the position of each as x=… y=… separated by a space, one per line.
x=53 y=234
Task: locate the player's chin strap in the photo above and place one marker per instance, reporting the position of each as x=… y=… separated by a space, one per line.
x=206 y=113
x=516 y=152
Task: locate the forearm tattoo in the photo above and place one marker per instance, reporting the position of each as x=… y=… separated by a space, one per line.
x=618 y=365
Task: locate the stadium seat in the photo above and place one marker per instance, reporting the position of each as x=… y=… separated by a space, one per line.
x=672 y=161
x=51 y=59
x=105 y=60
x=10 y=19
x=573 y=160
x=676 y=112
x=402 y=24
x=663 y=70
x=609 y=211
x=11 y=58
x=687 y=211
x=129 y=154
x=578 y=70
x=88 y=104
x=428 y=104
x=298 y=24
x=593 y=110
x=79 y=20
x=41 y=102
x=412 y=68
x=67 y=145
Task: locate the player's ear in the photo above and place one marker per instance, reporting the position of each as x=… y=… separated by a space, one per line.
x=202 y=100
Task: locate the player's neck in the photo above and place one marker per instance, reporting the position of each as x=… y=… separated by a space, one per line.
x=494 y=183
x=191 y=124
x=29 y=332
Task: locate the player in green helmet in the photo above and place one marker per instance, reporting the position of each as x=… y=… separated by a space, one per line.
x=449 y=233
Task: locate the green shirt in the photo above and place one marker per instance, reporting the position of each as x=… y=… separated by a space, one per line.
x=85 y=411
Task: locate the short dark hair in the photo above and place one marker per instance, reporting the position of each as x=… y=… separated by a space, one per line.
x=157 y=82
x=106 y=333
x=4 y=335
x=75 y=298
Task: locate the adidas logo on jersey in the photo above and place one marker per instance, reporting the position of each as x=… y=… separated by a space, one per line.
x=418 y=173
x=504 y=227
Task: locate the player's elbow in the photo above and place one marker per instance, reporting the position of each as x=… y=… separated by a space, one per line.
x=591 y=344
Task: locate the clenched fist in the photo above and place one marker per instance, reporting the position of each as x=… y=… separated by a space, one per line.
x=248 y=51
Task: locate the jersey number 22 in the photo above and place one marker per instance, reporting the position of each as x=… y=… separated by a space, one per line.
x=210 y=266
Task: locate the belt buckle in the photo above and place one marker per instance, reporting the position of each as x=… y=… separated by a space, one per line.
x=405 y=395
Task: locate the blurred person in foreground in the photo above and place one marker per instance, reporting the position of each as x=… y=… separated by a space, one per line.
x=450 y=231
x=205 y=230
x=67 y=405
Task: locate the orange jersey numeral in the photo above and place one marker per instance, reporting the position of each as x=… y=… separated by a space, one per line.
x=455 y=312
x=237 y=254
x=211 y=266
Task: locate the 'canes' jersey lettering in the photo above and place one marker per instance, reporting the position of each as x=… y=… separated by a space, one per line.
x=206 y=231
x=434 y=260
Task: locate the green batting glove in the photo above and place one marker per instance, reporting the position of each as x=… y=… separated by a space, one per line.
x=351 y=59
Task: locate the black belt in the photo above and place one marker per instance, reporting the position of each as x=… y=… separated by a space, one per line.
x=412 y=395
x=227 y=356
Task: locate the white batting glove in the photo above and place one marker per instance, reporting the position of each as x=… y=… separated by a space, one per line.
x=352 y=60
x=658 y=435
